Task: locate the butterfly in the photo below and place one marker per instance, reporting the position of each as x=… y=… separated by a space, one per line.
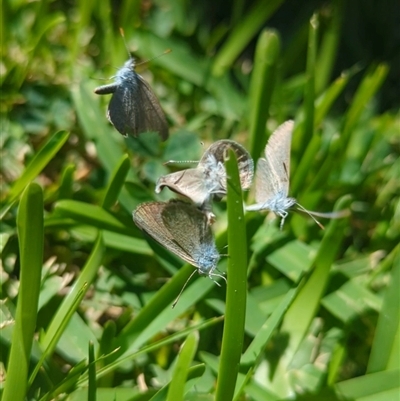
x=184 y=230
x=208 y=180
x=181 y=228
x=272 y=178
x=133 y=108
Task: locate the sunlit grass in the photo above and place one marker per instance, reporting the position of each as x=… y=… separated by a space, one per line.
x=321 y=308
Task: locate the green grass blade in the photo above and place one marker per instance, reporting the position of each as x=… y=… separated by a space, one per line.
x=305 y=136
x=372 y=81
x=307 y=160
x=69 y=304
x=241 y=35
x=193 y=372
x=235 y=311
x=30 y=236
x=329 y=46
x=258 y=345
x=388 y=327
x=177 y=386
x=261 y=88
x=93 y=215
x=66 y=183
x=117 y=180
x=173 y=338
x=380 y=386
x=91 y=374
x=255 y=350
x=68 y=383
x=57 y=334
x=157 y=313
x=308 y=299
x=324 y=102
x=38 y=163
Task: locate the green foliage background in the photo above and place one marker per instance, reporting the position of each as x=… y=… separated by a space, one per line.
x=86 y=298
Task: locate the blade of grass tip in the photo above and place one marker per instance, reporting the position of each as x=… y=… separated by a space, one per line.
x=91 y=374
x=173 y=338
x=176 y=388
x=236 y=293
x=85 y=12
x=388 y=328
x=193 y=373
x=69 y=304
x=30 y=237
x=329 y=46
x=301 y=140
x=116 y=182
x=370 y=84
x=60 y=329
x=92 y=215
x=262 y=86
x=65 y=189
x=336 y=362
x=325 y=101
x=38 y=163
x=255 y=350
x=242 y=34
x=379 y=386
x=303 y=168
x=157 y=313
x=106 y=346
x=322 y=106
x=131 y=14
x=68 y=383
x=307 y=302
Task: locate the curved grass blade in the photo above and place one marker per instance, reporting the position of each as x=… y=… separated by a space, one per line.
x=388 y=327
x=116 y=182
x=308 y=300
x=241 y=35
x=70 y=304
x=261 y=88
x=177 y=386
x=35 y=166
x=235 y=311
x=30 y=237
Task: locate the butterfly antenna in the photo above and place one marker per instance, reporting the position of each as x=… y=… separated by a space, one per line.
x=169 y=162
x=310 y=214
x=218 y=275
x=184 y=286
x=121 y=30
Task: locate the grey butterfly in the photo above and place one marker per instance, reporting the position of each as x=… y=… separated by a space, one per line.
x=208 y=180
x=182 y=229
x=133 y=108
x=272 y=178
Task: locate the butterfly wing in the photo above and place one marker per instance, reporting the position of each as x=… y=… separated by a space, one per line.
x=134 y=108
x=153 y=116
x=179 y=227
x=190 y=183
x=214 y=158
x=193 y=233
x=277 y=153
x=149 y=217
